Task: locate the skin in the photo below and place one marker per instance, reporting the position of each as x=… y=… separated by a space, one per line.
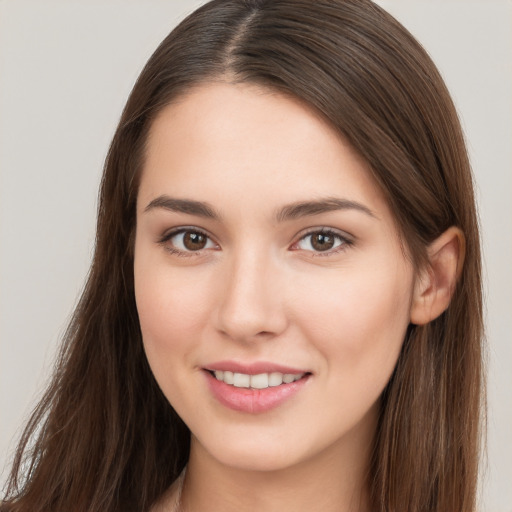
x=260 y=291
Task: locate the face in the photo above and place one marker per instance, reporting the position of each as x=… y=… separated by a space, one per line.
x=271 y=286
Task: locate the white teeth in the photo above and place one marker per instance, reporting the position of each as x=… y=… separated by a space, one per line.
x=241 y=380
x=229 y=377
x=275 y=379
x=288 y=377
x=260 y=381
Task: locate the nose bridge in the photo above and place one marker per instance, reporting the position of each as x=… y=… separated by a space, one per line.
x=251 y=302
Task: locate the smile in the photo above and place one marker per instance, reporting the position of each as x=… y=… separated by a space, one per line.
x=260 y=381
x=256 y=391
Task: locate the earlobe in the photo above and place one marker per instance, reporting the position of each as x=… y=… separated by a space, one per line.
x=434 y=287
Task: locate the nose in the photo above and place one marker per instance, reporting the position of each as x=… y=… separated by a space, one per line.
x=251 y=299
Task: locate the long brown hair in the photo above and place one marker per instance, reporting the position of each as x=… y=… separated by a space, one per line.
x=104 y=438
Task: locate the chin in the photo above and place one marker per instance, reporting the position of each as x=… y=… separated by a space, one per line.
x=256 y=454
x=260 y=462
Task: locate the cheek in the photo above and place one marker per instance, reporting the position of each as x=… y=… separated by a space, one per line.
x=358 y=320
x=171 y=311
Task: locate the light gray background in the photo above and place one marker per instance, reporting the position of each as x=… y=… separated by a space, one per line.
x=66 y=68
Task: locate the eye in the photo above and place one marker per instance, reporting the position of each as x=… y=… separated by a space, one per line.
x=322 y=241
x=187 y=241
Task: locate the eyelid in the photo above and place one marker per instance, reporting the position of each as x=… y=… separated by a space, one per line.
x=347 y=239
x=180 y=229
x=162 y=240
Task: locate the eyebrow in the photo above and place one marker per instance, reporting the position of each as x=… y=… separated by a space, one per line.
x=289 y=212
x=328 y=204
x=197 y=208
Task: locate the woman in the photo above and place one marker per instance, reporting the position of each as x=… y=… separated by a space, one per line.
x=284 y=306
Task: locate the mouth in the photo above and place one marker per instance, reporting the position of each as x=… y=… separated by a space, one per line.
x=256 y=391
x=258 y=381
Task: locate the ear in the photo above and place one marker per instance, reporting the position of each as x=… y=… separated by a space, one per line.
x=435 y=285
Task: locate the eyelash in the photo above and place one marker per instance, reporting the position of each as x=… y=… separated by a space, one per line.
x=177 y=252
x=344 y=245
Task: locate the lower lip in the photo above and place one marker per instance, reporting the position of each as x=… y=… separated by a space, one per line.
x=250 y=400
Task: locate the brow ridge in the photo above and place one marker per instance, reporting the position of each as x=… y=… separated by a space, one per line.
x=199 y=208
x=316 y=207
x=288 y=212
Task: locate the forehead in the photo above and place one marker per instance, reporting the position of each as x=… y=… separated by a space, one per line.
x=247 y=146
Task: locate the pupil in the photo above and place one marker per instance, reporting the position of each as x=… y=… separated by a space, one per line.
x=194 y=241
x=322 y=242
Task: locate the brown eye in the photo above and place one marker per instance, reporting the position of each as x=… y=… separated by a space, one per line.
x=194 y=241
x=322 y=241
x=187 y=241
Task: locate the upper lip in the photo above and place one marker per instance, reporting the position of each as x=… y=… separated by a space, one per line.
x=254 y=368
